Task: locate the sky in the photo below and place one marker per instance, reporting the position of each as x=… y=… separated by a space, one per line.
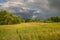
x=44 y=7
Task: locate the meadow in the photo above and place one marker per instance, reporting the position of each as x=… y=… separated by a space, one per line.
x=30 y=31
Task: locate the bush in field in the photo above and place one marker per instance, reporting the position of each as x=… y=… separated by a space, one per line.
x=53 y=19
x=8 y=18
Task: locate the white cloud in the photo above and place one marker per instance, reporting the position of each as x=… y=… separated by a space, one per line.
x=34 y=16
x=8 y=4
x=31 y=1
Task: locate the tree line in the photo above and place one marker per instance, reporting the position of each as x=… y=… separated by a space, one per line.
x=8 y=18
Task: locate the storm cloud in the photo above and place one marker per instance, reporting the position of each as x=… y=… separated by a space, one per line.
x=54 y=4
x=44 y=7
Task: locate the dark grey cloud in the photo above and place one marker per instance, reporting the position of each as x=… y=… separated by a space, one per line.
x=54 y=4
x=46 y=7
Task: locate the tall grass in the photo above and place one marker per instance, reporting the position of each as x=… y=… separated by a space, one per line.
x=46 y=31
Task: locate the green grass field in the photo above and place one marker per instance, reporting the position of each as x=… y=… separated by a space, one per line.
x=30 y=31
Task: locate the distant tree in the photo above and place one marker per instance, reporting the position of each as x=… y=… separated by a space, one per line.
x=28 y=20
x=53 y=19
x=36 y=20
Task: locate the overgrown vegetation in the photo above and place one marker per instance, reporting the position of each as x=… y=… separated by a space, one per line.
x=8 y=18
